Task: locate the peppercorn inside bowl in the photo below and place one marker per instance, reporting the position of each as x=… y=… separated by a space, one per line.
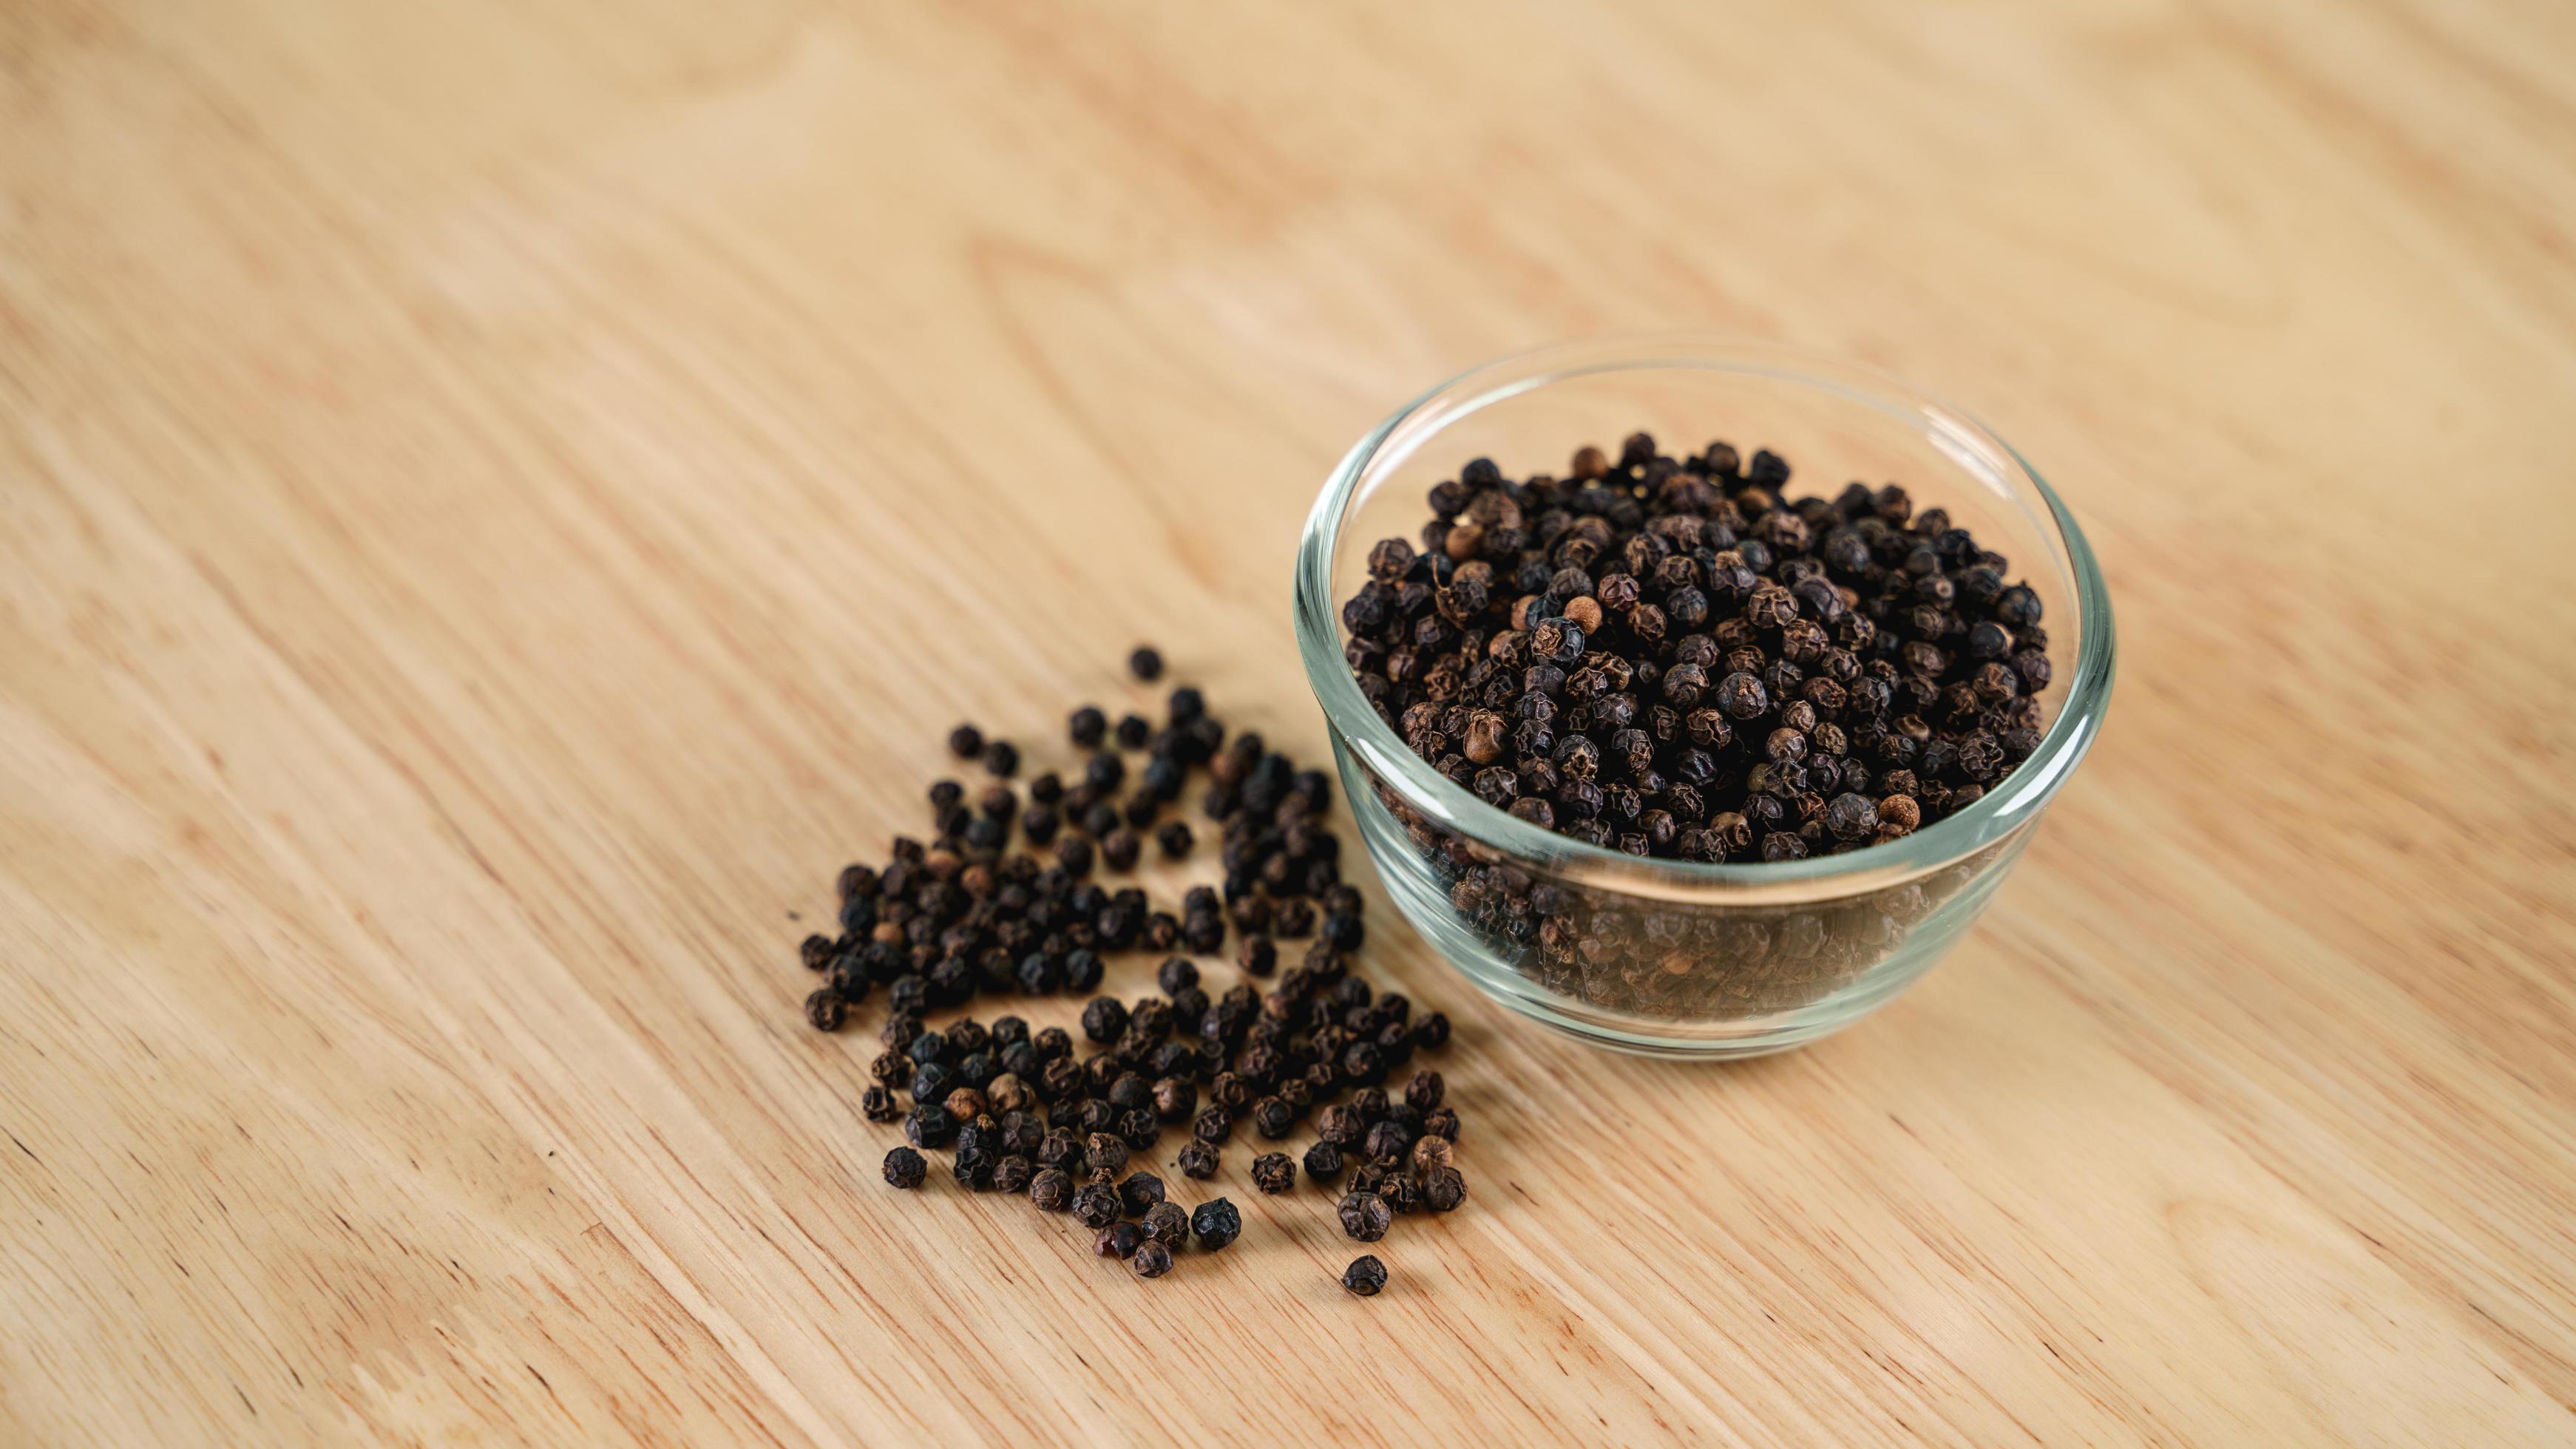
x=1665 y=743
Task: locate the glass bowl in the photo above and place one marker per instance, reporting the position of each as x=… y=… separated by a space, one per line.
x=1668 y=957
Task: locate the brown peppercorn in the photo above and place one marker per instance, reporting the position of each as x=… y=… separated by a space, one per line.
x=1095 y=1205
x=1167 y=1223
x=1051 y=1190
x=1443 y=1188
x=1118 y=1240
x=1151 y=1260
x=1365 y=1216
x=1274 y=1172
x=1104 y=1152
x=1428 y=1151
x=1007 y=1093
x=1341 y=1124
x=825 y=1010
x=1197 y=1159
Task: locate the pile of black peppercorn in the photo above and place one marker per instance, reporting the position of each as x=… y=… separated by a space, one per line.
x=969 y=914
x=1669 y=657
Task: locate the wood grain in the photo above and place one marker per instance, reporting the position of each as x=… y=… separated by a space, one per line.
x=497 y=501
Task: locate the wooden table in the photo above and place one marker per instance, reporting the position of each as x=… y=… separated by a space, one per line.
x=497 y=502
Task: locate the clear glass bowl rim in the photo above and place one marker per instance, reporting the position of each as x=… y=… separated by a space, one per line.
x=2002 y=811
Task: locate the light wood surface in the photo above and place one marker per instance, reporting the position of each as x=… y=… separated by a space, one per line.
x=497 y=501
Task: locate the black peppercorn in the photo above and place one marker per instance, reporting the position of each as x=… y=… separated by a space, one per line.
x=1425 y=1090
x=1324 y=1162
x=1273 y=1118
x=1002 y=758
x=1104 y=1018
x=1146 y=663
x=906 y=1168
x=1197 y=1159
x=1216 y=1224
x=929 y=1125
x=1119 y=1240
x=1140 y=1191
x=1366 y=1276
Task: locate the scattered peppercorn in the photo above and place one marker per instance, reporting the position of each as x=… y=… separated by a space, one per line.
x=1365 y=1276
x=1152 y=1260
x=1146 y=663
x=960 y=915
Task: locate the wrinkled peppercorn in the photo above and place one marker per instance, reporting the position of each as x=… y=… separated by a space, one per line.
x=1146 y=663
x=1197 y=1159
x=906 y=1168
x=1095 y=1205
x=1152 y=1260
x=1119 y=1240
x=1051 y=1190
x=1274 y=1172
x=826 y=1010
x=1443 y=1187
x=1365 y=1276
x=1365 y=1216
x=1167 y=1223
